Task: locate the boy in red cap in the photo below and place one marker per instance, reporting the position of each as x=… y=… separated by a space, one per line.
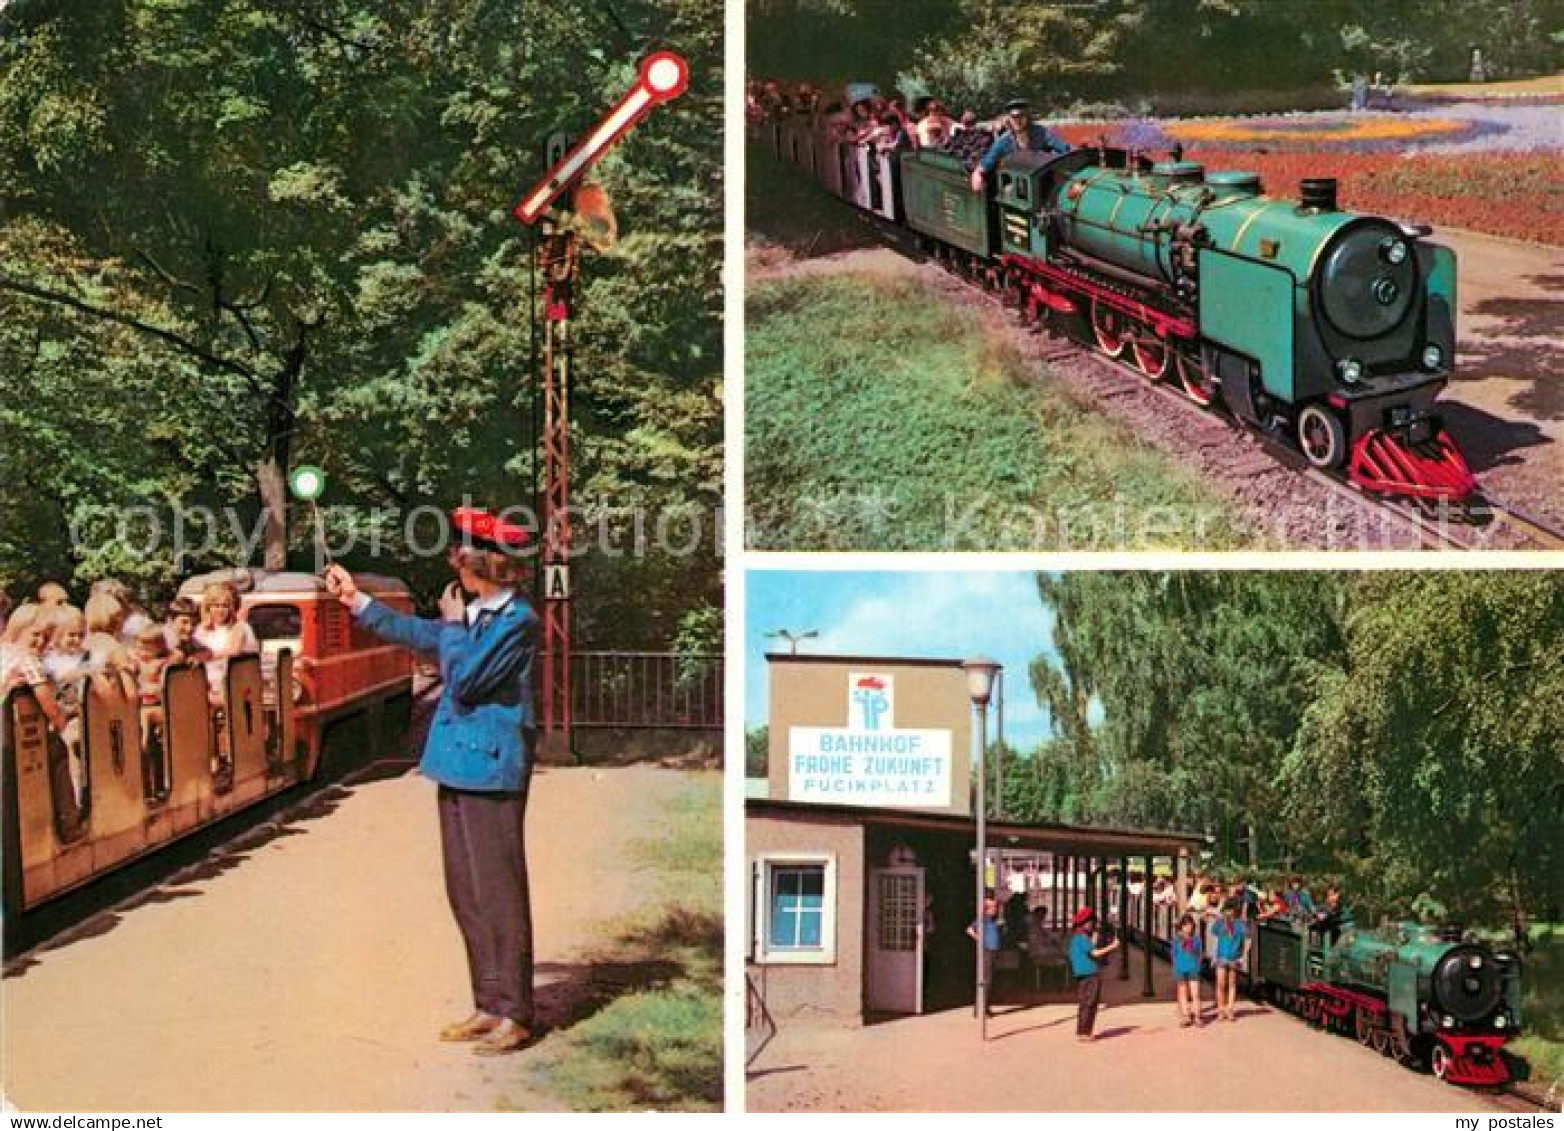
x=1084 y=954
x=479 y=751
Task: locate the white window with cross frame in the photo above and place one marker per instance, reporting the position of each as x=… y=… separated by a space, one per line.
x=794 y=904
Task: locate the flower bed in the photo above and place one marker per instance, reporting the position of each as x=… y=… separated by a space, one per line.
x=1512 y=193
x=1520 y=195
x=1356 y=132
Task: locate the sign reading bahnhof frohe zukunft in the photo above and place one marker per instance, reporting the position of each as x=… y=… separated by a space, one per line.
x=870 y=761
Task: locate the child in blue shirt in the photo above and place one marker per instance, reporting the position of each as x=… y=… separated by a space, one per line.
x=989 y=936
x=1231 y=934
x=1084 y=954
x=1186 y=950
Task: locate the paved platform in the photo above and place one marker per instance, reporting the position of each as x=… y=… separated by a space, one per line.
x=311 y=970
x=1141 y=1061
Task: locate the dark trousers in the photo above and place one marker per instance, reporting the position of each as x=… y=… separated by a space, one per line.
x=482 y=842
x=1088 y=994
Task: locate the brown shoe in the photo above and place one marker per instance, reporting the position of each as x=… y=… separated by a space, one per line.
x=471 y=1029
x=507 y=1036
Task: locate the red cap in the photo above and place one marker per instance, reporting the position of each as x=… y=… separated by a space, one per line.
x=475 y=526
x=1083 y=916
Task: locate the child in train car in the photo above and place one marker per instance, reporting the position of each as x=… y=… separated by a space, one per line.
x=890 y=136
x=109 y=657
x=934 y=129
x=223 y=635
x=135 y=618
x=1231 y=936
x=1186 y=954
x=184 y=617
x=69 y=665
x=53 y=595
x=22 y=652
x=1300 y=905
x=152 y=656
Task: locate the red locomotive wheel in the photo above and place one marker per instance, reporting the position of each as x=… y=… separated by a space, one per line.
x=1440 y=1061
x=1108 y=327
x=1151 y=357
x=1364 y=1026
x=1198 y=383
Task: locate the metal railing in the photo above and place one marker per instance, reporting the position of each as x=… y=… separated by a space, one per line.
x=646 y=690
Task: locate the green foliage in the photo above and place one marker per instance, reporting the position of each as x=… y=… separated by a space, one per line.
x=1000 y=49
x=1403 y=731
x=239 y=236
x=757 y=751
x=977 y=52
x=944 y=442
x=1542 y=1008
x=1438 y=743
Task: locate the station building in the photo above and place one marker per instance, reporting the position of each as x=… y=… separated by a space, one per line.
x=861 y=847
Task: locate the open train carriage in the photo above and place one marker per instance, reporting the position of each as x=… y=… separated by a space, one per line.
x=339 y=675
x=143 y=782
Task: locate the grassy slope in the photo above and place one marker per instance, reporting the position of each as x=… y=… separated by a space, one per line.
x=880 y=418
x=661 y=1045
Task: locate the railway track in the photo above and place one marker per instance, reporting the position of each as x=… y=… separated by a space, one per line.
x=1468 y=527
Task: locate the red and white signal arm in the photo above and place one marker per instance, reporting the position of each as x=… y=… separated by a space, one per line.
x=663 y=77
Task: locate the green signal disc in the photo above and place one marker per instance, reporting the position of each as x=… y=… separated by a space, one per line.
x=307 y=483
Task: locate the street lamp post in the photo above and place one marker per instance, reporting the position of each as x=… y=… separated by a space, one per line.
x=980 y=688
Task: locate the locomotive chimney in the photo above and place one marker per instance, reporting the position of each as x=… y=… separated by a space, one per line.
x=1318 y=193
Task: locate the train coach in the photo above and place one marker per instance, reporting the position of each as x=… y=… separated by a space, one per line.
x=1332 y=329
x=319 y=686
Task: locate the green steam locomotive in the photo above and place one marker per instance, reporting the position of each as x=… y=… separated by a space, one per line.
x=1425 y=995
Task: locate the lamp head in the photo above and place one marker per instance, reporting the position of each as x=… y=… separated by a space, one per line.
x=980 y=679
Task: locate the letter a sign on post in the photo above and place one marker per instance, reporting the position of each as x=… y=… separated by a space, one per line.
x=556 y=583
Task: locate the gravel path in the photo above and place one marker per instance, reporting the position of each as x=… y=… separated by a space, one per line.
x=1142 y=1061
x=311 y=969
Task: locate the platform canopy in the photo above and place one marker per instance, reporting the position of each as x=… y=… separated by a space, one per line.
x=1072 y=840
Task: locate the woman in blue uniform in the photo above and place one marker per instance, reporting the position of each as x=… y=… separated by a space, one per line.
x=479 y=751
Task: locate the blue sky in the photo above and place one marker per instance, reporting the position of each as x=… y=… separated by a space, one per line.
x=944 y=615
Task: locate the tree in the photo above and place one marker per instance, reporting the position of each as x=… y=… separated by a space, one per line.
x=757 y=755
x=1433 y=761
x=296 y=247
x=1400 y=731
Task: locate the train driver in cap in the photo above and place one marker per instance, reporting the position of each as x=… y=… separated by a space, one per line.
x=1020 y=134
x=479 y=752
